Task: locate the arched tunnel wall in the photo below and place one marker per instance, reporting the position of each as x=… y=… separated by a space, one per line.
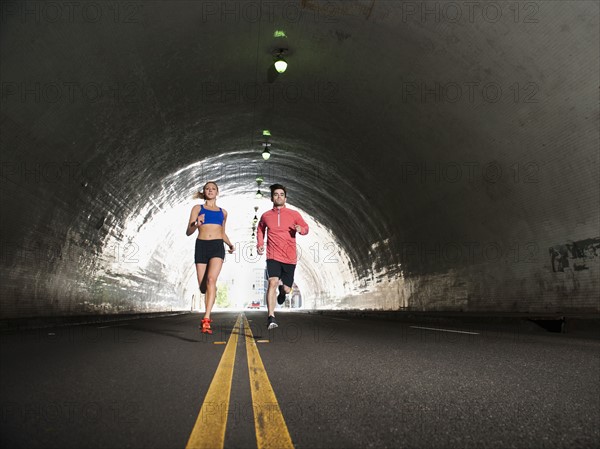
x=453 y=158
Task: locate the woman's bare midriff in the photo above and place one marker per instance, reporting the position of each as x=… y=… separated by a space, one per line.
x=210 y=232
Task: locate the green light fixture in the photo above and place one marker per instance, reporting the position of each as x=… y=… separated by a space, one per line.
x=280 y=62
x=280 y=65
x=259 y=194
x=266 y=154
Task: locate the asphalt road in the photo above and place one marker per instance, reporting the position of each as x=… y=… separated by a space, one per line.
x=339 y=383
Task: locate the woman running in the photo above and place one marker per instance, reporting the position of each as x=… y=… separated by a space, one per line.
x=210 y=221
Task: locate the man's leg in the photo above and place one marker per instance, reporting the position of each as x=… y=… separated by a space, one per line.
x=272 y=295
x=287 y=279
x=273 y=275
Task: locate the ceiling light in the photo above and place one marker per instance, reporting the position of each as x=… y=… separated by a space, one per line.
x=280 y=63
x=266 y=154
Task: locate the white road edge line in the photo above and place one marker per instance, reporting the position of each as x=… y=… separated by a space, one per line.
x=444 y=330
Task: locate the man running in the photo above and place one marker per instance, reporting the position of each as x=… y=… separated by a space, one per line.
x=282 y=225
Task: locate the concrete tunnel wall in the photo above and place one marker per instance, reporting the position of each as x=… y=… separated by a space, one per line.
x=451 y=150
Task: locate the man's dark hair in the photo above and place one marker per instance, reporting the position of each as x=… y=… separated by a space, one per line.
x=275 y=187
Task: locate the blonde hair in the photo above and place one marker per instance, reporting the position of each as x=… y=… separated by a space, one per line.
x=200 y=194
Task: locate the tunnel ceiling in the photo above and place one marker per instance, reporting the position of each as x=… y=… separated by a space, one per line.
x=397 y=124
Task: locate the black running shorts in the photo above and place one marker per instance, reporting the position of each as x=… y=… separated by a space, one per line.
x=283 y=271
x=207 y=249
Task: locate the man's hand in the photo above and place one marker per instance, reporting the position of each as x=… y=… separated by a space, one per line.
x=297 y=228
x=260 y=250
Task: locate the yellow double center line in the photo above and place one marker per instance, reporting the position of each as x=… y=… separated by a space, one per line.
x=271 y=430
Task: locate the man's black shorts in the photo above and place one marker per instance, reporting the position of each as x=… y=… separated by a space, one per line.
x=207 y=249
x=283 y=271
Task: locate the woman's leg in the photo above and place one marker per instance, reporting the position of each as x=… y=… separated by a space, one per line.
x=200 y=272
x=214 y=268
x=203 y=284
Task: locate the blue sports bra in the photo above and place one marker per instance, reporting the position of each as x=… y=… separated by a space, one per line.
x=212 y=216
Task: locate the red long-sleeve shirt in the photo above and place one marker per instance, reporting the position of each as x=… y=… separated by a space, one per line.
x=281 y=237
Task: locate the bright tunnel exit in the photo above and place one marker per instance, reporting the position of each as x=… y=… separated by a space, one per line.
x=323 y=269
x=153 y=240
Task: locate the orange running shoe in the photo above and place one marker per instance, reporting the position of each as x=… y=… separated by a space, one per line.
x=206 y=326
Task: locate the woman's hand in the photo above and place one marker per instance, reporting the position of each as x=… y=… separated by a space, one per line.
x=200 y=220
x=231 y=249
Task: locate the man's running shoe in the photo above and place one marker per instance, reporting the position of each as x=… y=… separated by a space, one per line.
x=271 y=323
x=282 y=294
